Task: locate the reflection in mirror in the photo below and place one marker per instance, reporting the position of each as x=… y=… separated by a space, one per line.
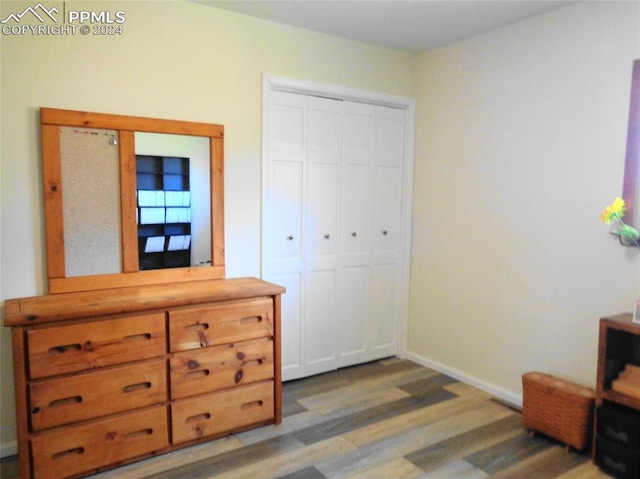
x=173 y=210
x=90 y=200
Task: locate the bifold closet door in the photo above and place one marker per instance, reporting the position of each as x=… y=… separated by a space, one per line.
x=283 y=243
x=386 y=256
x=321 y=321
x=333 y=203
x=370 y=212
x=301 y=221
x=355 y=226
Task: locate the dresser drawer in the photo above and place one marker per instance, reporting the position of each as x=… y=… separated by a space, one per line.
x=221 y=412
x=69 y=399
x=77 y=347
x=83 y=448
x=617 y=460
x=199 y=327
x=218 y=367
x=620 y=425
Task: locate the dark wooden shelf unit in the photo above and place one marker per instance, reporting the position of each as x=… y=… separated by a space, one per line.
x=616 y=447
x=162 y=223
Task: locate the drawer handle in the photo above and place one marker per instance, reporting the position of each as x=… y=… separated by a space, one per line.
x=68 y=452
x=238 y=377
x=619 y=435
x=251 y=319
x=619 y=466
x=252 y=362
x=136 y=337
x=65 y=401
x=136 y=387
x=65 y=348
x=198 y=417
x=196 y=327
x=252 y=404
x=135 y=434
x=197 y=374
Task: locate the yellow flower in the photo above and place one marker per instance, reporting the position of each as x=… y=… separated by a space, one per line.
x=615 y=211
x=618 y=206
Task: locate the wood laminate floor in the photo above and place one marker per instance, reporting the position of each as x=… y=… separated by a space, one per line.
x=389 y=419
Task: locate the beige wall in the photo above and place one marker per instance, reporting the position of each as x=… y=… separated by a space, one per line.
x=520 y=144
x=175 y=60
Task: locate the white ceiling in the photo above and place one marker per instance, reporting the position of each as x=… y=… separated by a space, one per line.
x=408 y=25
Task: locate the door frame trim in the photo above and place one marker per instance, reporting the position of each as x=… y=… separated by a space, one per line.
x=271 y=83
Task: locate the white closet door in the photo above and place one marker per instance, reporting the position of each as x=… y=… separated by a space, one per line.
x=332 y=231
x=283 y=222
x=384 y=299
x=321 y=224
x=355 y=231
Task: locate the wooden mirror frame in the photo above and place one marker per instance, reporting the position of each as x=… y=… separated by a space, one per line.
x=50 y=122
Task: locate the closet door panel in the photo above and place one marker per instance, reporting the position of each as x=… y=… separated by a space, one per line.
x=387 y=197
x=324 y=150
x=284 y=235
x=291 y=327
x=358 y=133
x=384 y=306
x=325 y=130
x=389 y=136
x=320 y=321
x=387 y=210
x=285 y=182
x=287 y=125
x=355 y=223
x=322 y=216
x=357 y=158
x=353 y=311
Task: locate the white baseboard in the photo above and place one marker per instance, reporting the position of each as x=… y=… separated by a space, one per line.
x=508 y=397
x=8 y=449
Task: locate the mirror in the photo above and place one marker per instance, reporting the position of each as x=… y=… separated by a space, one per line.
x=180 y=194
x=632 y=160
x=130 y=200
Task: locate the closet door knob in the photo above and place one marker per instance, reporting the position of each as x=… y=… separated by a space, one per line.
x=354 y=234
x=290 y=237
x=327 y=236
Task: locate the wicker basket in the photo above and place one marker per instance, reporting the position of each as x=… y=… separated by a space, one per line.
x=558 y=408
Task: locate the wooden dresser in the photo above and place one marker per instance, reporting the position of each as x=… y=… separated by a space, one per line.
x=112 y=376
